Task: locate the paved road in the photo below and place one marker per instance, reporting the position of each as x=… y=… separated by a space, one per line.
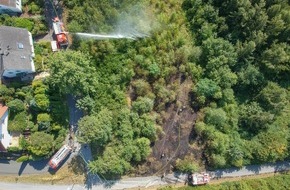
x=8 y=167
x=152 y=180
x=252 y=170
x=144 y=182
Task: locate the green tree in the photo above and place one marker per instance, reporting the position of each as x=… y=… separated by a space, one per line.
x=16 y=106
x=216 y=117
x=273 y=97
x=96 y=128
x=41 y=144
x=6 y=93
x=19 y=122
x=42 y=101
x=143 y=105
x=86 y=104
x=144 y=126
x=142 y=87
x=208 y=89
x=271 y=145
x=110 y=163
x=250 y=78
x=73 y=73
x=142 y=149
x=253 y=118
x=43 y=121
x=276 y=59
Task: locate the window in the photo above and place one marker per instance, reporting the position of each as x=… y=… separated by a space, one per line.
x=20 y=46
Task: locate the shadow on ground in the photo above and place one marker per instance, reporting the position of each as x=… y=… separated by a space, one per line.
x=39 y=165
x=4 y=161
x=94 y=180
x=254 y=168
x=22 y=167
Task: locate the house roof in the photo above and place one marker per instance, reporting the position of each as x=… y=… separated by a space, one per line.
x=9 y=3
x=17 y=48
x=3 y=109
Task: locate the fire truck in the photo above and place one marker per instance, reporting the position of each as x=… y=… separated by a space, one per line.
x=59 y=156
x=61 y=38
x=198 y=179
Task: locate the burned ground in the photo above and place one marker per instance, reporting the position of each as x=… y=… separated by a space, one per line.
x=177 y=140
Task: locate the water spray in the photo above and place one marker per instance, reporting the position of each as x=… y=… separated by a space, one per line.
x=132 y=36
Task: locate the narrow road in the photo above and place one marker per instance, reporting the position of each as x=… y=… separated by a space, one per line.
x=144 y=182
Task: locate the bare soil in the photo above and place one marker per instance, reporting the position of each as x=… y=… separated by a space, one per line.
x=177 y=142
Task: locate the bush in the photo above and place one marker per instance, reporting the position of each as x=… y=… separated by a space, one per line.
x=13 y=149
x=42 y=101
x=43 y=117
x=38 y=63
x=19 y=123
x=143 y=105
x=16 y=106
x=24 y=23
x=34 y=9
x=23 y=159
x=187 y=165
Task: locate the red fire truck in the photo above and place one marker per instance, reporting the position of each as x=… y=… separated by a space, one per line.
x=198 y=179
x=61 y=38
x=59 y=156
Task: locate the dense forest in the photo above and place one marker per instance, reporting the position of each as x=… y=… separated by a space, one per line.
x=224 y=62
x=207 y=87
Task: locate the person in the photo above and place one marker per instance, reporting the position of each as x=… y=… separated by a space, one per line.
x=162 y=177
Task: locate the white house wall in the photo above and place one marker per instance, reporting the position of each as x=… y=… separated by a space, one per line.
x=32 y=52
x=4 y=135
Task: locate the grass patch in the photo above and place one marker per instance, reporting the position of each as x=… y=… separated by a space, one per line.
x=65 y=175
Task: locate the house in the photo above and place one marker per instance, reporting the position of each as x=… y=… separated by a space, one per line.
x=5 y=137
x=11 y=7
x=17 y=53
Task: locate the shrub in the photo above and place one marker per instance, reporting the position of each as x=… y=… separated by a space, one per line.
x=23 y=159
x=187 y=165
x=16 y=106
x=13 y=149
x=143 y=105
